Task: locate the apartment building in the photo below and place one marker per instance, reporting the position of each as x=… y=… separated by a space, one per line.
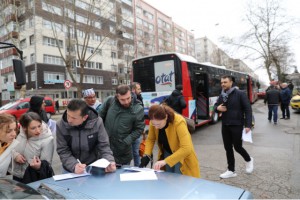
x=155 y=32
x=61 y=39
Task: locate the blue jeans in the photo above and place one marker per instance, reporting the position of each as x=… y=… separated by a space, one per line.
x=135 y=151
x=273 y=109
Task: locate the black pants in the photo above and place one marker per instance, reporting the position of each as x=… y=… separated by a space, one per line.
x=232 y=137
x=285 y=110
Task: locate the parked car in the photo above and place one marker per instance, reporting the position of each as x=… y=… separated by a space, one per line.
x=261 y=93
x=102 y=185
x=17 y=108
x=295 y=103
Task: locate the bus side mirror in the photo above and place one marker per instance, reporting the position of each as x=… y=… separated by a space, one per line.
x=19 y=69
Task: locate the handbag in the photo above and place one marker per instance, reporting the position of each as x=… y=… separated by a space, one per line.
x=190 y=124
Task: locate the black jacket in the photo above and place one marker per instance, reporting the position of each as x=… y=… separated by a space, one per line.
x=239 y=111
x=272 y=97
x=176 y=101
x=32 y=175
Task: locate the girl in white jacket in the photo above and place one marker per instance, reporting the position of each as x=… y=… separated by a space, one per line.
x=36 y=143
x=8 y=134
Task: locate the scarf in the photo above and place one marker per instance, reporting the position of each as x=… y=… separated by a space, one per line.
x=225 y=94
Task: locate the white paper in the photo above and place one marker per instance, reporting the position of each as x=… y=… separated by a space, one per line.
x=137 y=169
x=69 y=176
x=247 y=137
x=102 y=163
x=138 y=176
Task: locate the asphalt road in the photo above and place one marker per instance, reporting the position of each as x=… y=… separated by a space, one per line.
x=275 y=149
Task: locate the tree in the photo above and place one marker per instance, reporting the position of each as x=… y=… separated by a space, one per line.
x=99 y=20
x=267 y=37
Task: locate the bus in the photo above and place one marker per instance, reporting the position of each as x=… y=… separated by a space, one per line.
x=159 y=74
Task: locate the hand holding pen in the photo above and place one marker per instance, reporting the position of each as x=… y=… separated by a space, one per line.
x=79 y=167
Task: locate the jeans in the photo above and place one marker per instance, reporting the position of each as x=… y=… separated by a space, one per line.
x=273 y=109
x=135 y=151
x=285 y=110
x=232 y=136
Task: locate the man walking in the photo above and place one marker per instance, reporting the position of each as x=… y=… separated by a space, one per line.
x=236 y=113
x=285 y=95
x=273 y=100
x=82 y=138
x=136 y=93
x=124 y=122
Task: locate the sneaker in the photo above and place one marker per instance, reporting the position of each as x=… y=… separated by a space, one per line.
x=287 y=118
x=275 y=123
x=249 y=166
x=228 y=174
x=282 y=117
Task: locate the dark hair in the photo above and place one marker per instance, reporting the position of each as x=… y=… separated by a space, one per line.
x=122 y=89
x=160 y=111
x=35 y=103
x=6 y=120
x=134 y=84
x=231 y=78
x=28 y=117
x=178 y=87
x=78 y=104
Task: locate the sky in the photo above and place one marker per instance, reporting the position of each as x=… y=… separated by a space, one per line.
x=217 y=18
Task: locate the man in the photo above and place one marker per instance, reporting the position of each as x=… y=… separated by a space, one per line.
x=285 y=95
x=236 y=112
x=124 y=122
x=176 y=100
x=90 y=98
x=81 y=136
x=273 y=100
x=136 y=92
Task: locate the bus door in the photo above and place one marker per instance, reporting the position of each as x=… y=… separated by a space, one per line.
x=201 y=95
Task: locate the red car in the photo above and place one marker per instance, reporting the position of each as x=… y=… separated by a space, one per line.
x=21 y=106
x=261 y=93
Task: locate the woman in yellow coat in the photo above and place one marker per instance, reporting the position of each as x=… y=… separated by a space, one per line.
x=176 y=151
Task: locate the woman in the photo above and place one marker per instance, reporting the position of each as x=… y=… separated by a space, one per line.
x=176 y=151
x=37 y=105
x=36 y=144
x=8 y=134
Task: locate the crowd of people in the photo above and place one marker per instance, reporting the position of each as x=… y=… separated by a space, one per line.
x=89 y=130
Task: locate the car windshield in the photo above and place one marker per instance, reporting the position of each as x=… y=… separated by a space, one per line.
x=8 y=106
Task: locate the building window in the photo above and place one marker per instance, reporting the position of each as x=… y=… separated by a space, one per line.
x=23 y=44
x=99 y=79
x=32 y=58
x=114 y=81
x=33 y=76
x=56 y=60
x=54 y=77
x=113 y=54
x=31 y=22
x=98 y=65
x=52 y=42
x=31 y=39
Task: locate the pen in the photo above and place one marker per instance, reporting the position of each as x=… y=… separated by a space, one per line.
x=78 y=161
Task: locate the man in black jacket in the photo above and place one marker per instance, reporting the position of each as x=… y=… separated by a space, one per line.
x=176 y=100
x=273 y=99
x=236 y=113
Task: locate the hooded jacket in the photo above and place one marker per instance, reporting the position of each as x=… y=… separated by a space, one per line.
x=41 y=146
x=87 y=142
x=176 y=101
x=123 y=125
x=35 y=104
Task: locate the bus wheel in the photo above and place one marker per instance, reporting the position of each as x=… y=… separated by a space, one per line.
x=214 y=118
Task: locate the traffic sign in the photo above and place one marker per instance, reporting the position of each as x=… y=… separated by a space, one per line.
x=67 y=84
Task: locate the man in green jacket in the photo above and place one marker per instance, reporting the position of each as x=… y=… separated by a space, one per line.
x=123 y=118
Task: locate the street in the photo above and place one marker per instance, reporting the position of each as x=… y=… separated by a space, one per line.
x=275 y=149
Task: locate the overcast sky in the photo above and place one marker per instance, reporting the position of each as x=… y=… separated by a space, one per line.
x=216 y=18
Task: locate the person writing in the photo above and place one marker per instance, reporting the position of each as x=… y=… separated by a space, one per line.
x=82 y=138
x=36 y=144
x=8 y=134
x=176 y=151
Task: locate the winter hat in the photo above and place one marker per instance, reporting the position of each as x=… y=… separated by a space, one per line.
x=36 y=103
x=88 y=92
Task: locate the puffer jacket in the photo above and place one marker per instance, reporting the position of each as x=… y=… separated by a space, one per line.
x=41 y=146
x=176 y=101
x=87 y=143
x=123 y=125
